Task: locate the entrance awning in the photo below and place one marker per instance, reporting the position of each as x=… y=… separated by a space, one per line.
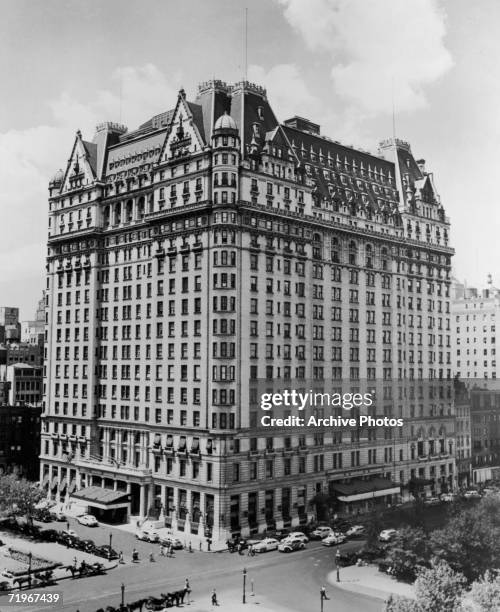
x=106 y=499
x=358 y=489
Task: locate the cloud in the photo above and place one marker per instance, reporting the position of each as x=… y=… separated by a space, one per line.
x=30 y=156
x=376 y=48
x=287 y=91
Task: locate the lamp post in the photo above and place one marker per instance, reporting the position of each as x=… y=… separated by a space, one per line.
x=337 y=559
x=30 y=558
x=321 y=598
x=123 y=595
x=110 y=541
x=244 y=584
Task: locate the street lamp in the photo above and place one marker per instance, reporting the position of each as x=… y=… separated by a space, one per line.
x=123 y=595
x=337 y=559
x=244 y=584
x=110 y=541
x=30 y=558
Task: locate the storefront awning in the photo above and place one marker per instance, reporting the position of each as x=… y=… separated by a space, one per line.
x=45 y=480
x=53 y=484
x=106 y=499
x=72 y=485
x=358 y=489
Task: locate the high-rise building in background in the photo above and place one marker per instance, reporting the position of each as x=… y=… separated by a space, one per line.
x=33 y=331
x=213 y=247
x=475 y=313
x=10 y=329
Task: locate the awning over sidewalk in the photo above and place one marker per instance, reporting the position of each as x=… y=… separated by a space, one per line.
x=106 y=499
x=358 y=489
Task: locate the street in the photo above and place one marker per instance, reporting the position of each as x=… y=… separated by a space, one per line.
x=285 y=582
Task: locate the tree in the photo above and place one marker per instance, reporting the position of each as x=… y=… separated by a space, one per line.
x=18 y=496
x=470 y=542
x=439 y=588
x=374 y=525
x=485 y=593
x=401 y=604
x=408 y=551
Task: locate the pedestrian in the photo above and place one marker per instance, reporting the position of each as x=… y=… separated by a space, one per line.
x=187 y=590
x=162 y=551
x=135 y=556
x=323 y=593
x=151 y=557
x=75 y=561
x=214 y=598
x=120 y=557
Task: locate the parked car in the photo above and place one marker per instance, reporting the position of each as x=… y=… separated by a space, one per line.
x=356 y=531
x=341 y=525
x=334 y=539
x=448 y=497
x=49 y=535
x=432 y=501
x=148 y=535
x=265 y=545
x=57 y=515
x=290 y=545
x=386 y=535
x=472 y=494
x=42 y=515
x=88 y=519
x=106 y=552
x=87 y=546
x=296 y=535
x=321 y=532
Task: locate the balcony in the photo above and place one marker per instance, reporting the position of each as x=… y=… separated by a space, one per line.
x=105 y=465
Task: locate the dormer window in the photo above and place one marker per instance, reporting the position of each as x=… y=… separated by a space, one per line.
x=260 y=113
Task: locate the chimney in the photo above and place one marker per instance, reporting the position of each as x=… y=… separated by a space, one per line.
x=421 y=165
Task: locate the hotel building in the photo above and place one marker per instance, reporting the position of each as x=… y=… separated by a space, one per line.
x=214 y=247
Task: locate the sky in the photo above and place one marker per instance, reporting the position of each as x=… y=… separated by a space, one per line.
x=345 y=64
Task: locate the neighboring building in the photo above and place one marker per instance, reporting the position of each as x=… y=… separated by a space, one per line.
x=214 y=246
x=21 y=352
x=463 y=434
x=24 y=384
x=33 y=332
x=475 y=316
x=20 y=440
x=9 y=324
x=485 y=417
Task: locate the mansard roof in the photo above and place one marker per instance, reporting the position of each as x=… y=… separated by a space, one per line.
x=342 y=173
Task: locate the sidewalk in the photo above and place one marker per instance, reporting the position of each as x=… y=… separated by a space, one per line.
x=52 y=552
x=231 y=601
x=367 y=580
